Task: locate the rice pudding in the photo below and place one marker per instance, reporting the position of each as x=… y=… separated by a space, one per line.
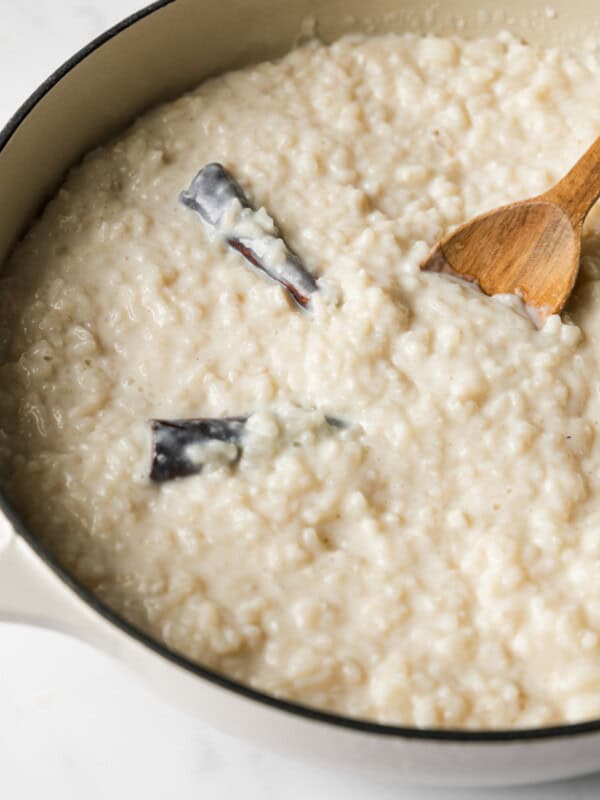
x=435 y=561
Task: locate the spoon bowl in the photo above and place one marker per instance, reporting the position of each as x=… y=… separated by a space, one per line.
x=530 y=249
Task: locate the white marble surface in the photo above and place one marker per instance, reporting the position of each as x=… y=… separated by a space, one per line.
x=73 y=724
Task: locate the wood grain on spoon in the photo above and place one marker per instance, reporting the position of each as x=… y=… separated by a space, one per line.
x=532 y=248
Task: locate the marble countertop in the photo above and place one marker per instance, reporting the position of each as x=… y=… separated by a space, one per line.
x=74 y=724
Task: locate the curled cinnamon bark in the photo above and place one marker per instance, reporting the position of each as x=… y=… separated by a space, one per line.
x=182 y=447
x=215 y=196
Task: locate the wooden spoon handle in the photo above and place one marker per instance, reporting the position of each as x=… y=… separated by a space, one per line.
x=577 y=192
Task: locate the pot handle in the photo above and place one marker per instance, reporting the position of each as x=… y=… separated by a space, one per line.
x=31 y=593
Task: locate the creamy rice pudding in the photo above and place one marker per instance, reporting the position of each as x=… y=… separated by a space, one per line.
x=435 y=560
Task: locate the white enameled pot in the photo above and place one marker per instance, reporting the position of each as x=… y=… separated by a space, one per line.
x=158 y=53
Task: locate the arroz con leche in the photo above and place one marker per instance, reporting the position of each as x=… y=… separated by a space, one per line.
x=435 y=561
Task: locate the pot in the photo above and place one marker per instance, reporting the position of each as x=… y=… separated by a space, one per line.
x=158 y=53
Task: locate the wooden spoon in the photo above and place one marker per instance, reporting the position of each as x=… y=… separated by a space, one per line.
x=532 y=248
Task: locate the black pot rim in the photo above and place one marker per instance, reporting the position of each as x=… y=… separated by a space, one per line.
x=432 y=735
